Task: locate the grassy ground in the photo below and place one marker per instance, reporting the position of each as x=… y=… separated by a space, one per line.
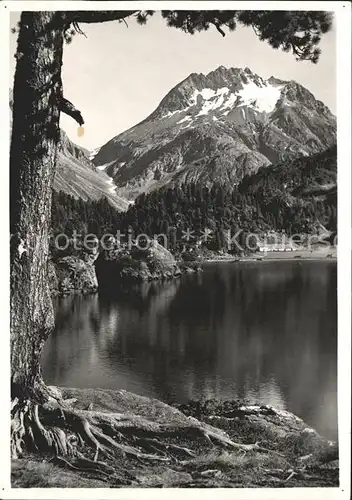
x=287 y=453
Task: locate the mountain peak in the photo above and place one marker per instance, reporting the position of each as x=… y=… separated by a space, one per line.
x=222 y=89
x=221 y=125
x=276 y=81
x=220 y=70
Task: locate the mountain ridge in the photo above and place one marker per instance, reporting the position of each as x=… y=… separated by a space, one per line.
x=75 y=173
x=217 y=128
x=297 y=198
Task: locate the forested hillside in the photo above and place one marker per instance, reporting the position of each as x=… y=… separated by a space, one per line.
x=69 y=213
x=302 y=176
x=295 y=197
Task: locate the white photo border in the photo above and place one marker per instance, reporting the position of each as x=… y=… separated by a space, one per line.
x=342 y=12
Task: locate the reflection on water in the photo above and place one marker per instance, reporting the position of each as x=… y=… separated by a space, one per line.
x=265 y=332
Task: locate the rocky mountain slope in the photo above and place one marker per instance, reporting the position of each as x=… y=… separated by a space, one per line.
x=76 y=175
x=217 y=127
x=293 y=197
x=315 y=176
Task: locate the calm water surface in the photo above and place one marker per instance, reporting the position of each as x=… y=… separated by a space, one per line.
x=261 y=331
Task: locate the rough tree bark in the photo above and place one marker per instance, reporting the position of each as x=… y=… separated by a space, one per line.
x=38 y=101
x=37 y=420
x=35 y=134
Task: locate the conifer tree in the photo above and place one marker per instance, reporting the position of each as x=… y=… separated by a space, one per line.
x=38 y=100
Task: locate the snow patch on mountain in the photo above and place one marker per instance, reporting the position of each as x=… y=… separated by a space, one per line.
x=93 y=153
x=221 y=117
x=111 y=185
x=230 y=102
x=254 y=92
x=260 y=98
x=171 y=113
x=213 y=99
x=260 y=95
x=204 y=93
x=106 y=165
x=185 y=119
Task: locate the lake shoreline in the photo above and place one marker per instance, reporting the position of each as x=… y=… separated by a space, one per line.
x=215 y=349
x=227 y=444
x=278 y=256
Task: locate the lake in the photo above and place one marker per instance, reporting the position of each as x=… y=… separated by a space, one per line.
x=265 y=332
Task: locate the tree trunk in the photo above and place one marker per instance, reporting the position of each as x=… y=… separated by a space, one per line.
x=35 y=135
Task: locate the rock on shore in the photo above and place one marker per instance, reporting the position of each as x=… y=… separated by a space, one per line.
x=135 y=265
x=85 y=272
x=72 y=274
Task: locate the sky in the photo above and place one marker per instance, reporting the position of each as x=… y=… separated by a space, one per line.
x=117 y=75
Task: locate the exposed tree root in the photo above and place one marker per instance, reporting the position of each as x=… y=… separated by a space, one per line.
x=73 y=436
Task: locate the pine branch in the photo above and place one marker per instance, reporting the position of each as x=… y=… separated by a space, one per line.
x=217 y=26
x=86 y=16
x=78 y=29
x=68 y=108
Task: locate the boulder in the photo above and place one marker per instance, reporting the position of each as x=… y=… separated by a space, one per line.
x=72 y=274
x=153 y=263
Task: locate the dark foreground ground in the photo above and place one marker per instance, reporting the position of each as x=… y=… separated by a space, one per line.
x=282 y=450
